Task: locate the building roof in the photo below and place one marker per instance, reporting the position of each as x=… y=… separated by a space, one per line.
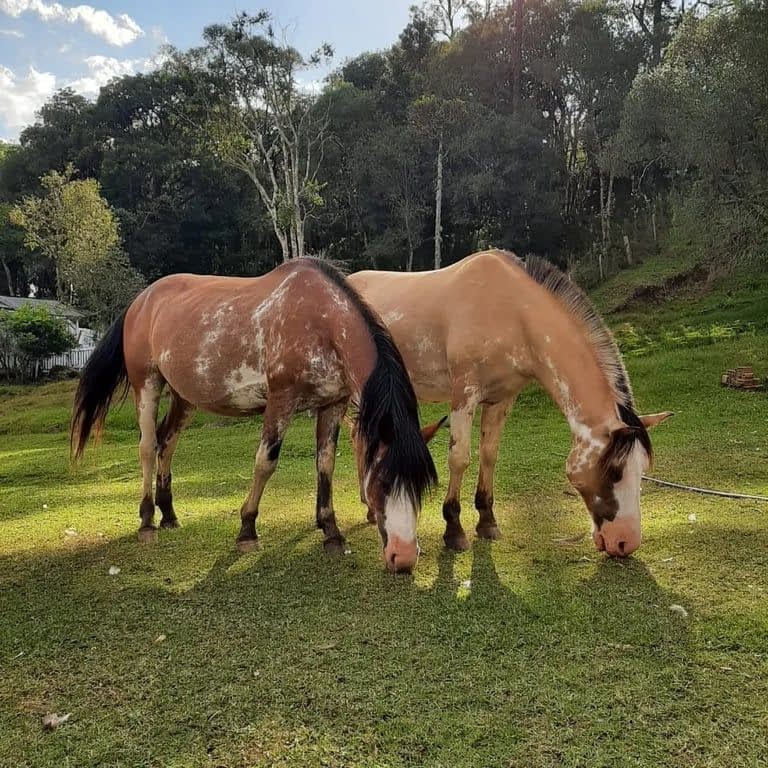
x=12 y=303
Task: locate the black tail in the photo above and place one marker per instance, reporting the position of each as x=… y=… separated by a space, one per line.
x=389 y=410
x=103 y=375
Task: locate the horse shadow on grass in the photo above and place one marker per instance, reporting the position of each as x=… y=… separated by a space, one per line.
x=208 y=653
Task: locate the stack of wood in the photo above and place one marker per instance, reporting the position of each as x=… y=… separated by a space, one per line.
x=741 y=378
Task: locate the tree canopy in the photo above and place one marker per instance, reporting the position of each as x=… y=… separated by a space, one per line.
x=584 y=131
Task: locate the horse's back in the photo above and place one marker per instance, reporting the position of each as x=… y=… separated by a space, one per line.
x=226 y=343
x=448 y=321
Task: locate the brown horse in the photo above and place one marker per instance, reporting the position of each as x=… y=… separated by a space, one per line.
x=476 y=333
x=297 y=338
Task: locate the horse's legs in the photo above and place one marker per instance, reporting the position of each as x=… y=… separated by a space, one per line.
x=179 y=413
x=491 y=427
x=147 y=400
x=359 y=460
x=462 y=412
x=328 y=423
x=276 y=419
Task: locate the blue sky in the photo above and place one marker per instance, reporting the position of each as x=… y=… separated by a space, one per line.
x=49 y=44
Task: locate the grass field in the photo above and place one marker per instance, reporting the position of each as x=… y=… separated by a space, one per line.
x=526 y=652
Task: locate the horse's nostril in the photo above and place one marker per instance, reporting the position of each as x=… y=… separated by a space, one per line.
x=622 y=545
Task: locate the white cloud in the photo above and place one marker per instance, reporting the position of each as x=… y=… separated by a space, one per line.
x=102 y=69
x=119 y=31
x=21 y=97
x=11 y=33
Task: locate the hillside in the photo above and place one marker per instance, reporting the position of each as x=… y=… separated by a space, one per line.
x=666 y=303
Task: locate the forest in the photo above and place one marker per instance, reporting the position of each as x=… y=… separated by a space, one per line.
x=591 y=133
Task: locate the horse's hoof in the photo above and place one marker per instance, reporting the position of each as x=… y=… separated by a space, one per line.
x=491 y=532
x=371 y=517
x=456 y=542
x=334 y=546
x=244 y=546
x=148 y=535
x=170 y=523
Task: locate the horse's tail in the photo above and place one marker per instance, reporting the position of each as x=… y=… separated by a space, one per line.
x=103 y=375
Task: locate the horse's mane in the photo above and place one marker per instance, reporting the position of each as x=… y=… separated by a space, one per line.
x=578 y=306
x=388 y=412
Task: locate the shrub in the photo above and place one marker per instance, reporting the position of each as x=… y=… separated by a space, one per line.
x=27 y=337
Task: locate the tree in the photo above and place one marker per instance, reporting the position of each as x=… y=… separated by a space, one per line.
x=73 y=228
x=389 y=162
x=180 y=209
x=63 y=134
x=696 y=126
x=30 y=335
x=436 y=118
x=257 y=119
x=11 y=248
x=446 y=15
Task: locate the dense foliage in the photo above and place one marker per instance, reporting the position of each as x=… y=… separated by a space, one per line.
x=588 y=132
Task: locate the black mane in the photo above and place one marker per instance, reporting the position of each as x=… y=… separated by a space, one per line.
x=388 y=412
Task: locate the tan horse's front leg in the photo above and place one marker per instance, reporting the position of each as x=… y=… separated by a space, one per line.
x=462 y=413
x=277 y=416
x=328 y=424
x=359 y=449
x=491 y=426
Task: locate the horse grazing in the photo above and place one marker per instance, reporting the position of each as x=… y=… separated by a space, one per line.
x=297 y=338
x=475 y=333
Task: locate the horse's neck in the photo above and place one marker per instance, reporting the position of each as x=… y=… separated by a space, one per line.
x=358 y=353
x=566 y=366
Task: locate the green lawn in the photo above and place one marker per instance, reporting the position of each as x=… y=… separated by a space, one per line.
x=525 y=652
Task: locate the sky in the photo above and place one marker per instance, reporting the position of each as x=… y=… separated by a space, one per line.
x=46 y=45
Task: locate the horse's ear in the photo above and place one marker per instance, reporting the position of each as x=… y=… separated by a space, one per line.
x=654 y=419
x=430 y=431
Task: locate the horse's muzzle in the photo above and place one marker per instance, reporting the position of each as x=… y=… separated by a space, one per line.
x=401 y=556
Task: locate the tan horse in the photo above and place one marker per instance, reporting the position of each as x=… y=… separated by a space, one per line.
x=476 y=333
x=297 y=338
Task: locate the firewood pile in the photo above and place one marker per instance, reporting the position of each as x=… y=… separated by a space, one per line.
x=741 y=378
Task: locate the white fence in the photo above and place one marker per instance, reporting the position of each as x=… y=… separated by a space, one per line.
x=75 y=358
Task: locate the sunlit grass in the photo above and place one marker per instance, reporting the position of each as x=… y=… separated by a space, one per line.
x=522 y=653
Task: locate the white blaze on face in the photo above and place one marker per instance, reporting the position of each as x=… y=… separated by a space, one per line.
x=627 y=490
x=400 y=517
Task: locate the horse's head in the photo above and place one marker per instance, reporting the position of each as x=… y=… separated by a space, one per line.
x=606 y=469
x=395 y=506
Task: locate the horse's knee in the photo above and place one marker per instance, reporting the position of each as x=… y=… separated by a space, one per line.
x=458 y=457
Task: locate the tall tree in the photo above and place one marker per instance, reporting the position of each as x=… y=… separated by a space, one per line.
x=257 y=118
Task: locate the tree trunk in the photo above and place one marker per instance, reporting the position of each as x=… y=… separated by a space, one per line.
x=517 y=57
x=439 y=204
x=657 y=31
x=8 y=278
x=606 y=199
x=628 y=250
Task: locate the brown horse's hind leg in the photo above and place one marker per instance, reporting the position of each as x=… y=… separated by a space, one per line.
x=328 y=423
x=147 y=399
x=276 y=419
x=179 y=414
x=462 y=412
x=491 y=427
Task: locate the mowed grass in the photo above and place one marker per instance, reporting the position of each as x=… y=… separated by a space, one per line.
x=525 y=652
